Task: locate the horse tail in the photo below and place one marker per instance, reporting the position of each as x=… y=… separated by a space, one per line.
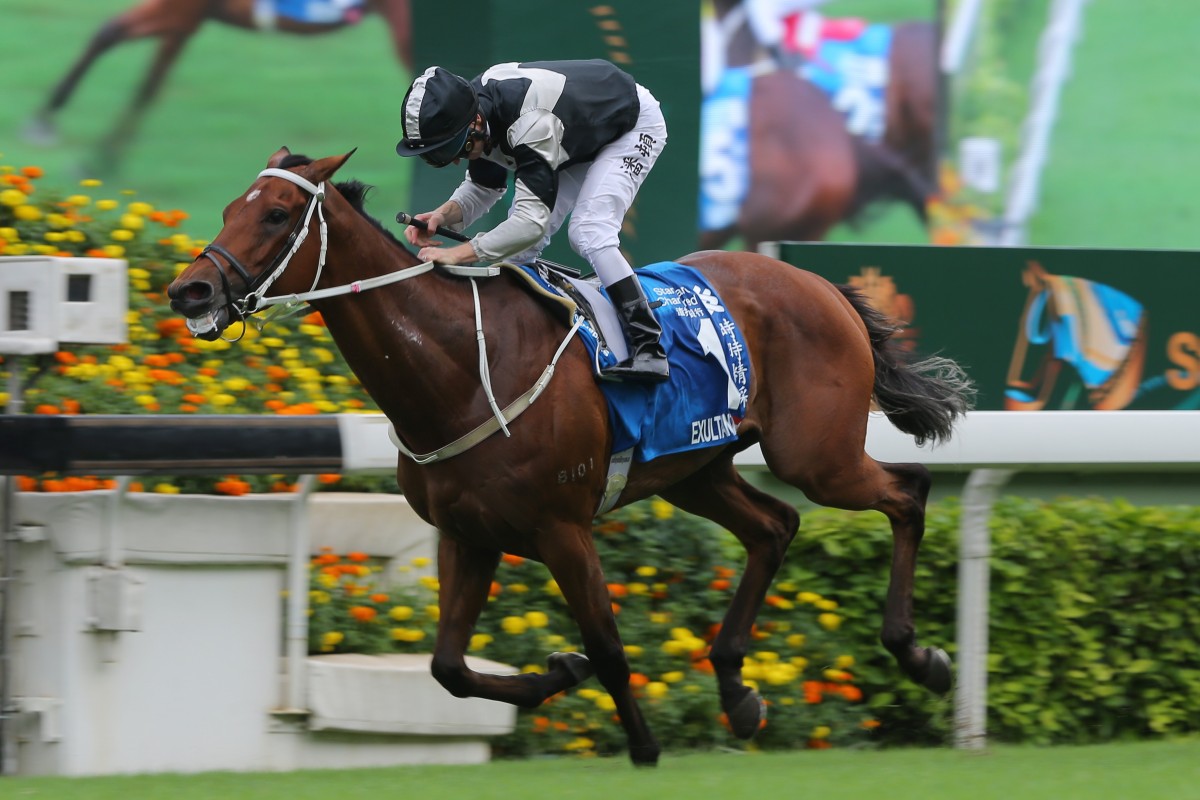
x=923 y=398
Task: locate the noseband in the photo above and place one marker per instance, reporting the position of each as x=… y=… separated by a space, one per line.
x=256 y=287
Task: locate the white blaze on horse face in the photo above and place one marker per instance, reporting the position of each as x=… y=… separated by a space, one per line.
x=250 y=197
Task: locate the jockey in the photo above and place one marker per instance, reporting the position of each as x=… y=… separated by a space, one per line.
x=579 y=136
x=767 y=20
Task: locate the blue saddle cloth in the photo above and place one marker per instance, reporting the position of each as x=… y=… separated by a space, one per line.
x=323 y=12
x=705 y=399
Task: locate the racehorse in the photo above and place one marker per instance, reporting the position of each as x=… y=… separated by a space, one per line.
x=174 y=23
x=807 y=173
x=818 y=354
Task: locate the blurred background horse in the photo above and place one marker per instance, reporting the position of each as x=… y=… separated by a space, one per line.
x=174 y=23
x=805 y=171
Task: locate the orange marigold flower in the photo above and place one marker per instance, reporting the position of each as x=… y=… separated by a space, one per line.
x=357 y=555
x=70 y=406
x=511 y=560
x=617 y=590
x=819 y=744
x=363 y=613
x=26 y=484
x=275 y=405
x=232 y=486
x=379 y=597
x=720 y=584
x=207 y=372
x=851 y=693
x=329 y=478
x=32 y=172
x=194 y=399
x=46 y=408
x=723 y=572
x=314 y=318
x=637 y=680
x=813 y=692
x=495 y=589
x=66 y=357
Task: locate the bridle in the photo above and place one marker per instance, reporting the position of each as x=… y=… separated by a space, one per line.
x=256 y=287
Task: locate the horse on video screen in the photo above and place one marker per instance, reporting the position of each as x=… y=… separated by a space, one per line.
x=174 y=23
x=815 y=355
x=804 y=171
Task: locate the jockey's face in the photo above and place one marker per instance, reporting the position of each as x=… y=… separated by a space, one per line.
x=476 y=145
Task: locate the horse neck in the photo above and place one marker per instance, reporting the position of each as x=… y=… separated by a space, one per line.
x=406 y=341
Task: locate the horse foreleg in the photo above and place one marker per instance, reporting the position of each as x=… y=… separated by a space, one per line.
x=398 y=15
x=572 y=560
x=465 y=577
x=42 y=128
x=765 y=526
x=169 y=48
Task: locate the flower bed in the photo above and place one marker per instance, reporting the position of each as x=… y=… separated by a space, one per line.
x=288 y=368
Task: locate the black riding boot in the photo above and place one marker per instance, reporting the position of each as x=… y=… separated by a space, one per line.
x=647 y=362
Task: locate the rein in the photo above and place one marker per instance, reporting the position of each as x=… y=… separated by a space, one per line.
x=255 y=301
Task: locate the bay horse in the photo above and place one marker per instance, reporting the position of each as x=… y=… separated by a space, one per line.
x=174 y=23
x=807 y=173
x=818 y=354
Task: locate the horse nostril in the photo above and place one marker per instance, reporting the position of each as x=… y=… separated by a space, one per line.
x=190 y=295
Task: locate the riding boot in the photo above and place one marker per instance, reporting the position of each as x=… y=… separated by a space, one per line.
x=647 y=362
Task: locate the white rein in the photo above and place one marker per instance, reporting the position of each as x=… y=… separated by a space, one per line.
x=500 y=419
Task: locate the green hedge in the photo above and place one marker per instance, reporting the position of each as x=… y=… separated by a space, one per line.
x=1095 y=617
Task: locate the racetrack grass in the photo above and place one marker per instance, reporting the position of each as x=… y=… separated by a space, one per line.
x=1137 y=771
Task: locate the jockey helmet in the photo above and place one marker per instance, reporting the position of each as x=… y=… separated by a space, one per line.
x=437 y=113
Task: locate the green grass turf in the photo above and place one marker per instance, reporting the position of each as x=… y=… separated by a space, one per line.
x=1142 y=771
x=232 y=100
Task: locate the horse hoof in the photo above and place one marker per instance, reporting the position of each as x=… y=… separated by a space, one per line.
x=644 y=755
x=574 y=664
x=939 y=673
x=747 y=715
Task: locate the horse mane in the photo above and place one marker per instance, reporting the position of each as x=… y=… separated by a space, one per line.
x=355 y=193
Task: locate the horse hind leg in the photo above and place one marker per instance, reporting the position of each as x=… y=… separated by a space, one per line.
x=900 y=492
x=465 y=577
x=765 y=526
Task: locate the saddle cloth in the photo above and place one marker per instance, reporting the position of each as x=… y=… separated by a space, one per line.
x=317 y=12
x=705 y=399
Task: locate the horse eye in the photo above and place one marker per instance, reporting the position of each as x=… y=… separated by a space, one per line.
x=277 y=216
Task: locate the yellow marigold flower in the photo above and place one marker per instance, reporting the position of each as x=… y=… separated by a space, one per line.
x=433 y=612
x=166 y=488
x=421 y=561
x=552 y=588
x=588 y=694
x=76 y=236
x=661 y=508
x=59 y=221
x=331 y=639
x=836 y=675
x=27 y=213
x=537 y=619
x=660 y=617
x=429 y=582
x=827 y=605
x=326 y=406
x=796 y=640
x=844 y=662
x=781 y=674
x=514 y=625
x=337 y=380
x=133 y=222
x=54 y=236
x=821 y=732
x=322 y=355
x=145 y=399
x=140 y=208
x=327 y=580
x=518 y=588
x=78 y=200
x=799 y=662
x=12 y=197
x=45 y=249
x=106 y=204
x=829 y=621
x=318 y=597
x=222 y=399
x=647 y=572
x=235 y=384
x=634 y=650
x=401 y=613
x=657 y=689
x=114 y=250
x=10 y=234
x=122 y=235
x=751 y=671
x=767 y=657
x=408 y=634
x=90 y=183
x=271 y=341
x=582 y=743
x=675 y=676
x=480 y=641
x=808 y=597
x=605 y=703
x=289 y=352
x=787 y=586
x=637 y=588
x=553 y=640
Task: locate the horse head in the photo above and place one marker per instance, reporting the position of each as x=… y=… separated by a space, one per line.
x=263 y=229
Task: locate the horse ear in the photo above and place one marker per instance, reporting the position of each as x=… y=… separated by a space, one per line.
x=323 y=169
x=279 y=156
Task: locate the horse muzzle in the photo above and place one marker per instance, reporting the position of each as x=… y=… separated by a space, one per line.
x=195 y=300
